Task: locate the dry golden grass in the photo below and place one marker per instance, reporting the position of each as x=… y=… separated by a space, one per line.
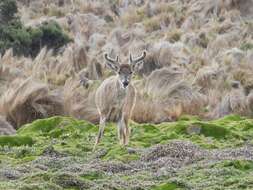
x=194 y=50
x=133 y=16
x=5 y=127
x=27 y=100
x=152 y=24
x=79 y=100
x=233 y=102
x=174 y=35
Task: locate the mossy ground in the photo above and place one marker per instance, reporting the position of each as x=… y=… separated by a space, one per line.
x=55 y=153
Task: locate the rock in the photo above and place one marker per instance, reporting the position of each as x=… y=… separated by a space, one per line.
x=193 y=130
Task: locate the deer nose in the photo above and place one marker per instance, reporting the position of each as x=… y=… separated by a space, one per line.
x=125 y=84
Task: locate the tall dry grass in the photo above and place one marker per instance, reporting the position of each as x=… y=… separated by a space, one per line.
x=196 y=49
x=27 y=100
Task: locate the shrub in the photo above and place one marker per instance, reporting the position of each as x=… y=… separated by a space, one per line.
x=8 y=9
x=246 y=46
x=49 y=34
x=27 y=41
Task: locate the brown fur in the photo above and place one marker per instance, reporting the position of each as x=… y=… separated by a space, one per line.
x=115 y=99
x=115 y=103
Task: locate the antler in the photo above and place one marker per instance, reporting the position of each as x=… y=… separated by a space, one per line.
x=137 y=59
x=112 y=60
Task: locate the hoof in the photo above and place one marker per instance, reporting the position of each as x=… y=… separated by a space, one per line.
x=121 y=142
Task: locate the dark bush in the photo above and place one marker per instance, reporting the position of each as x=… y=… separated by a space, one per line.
x=28 y=41
x=246 y=46
x=49 y=34
x=8 y=9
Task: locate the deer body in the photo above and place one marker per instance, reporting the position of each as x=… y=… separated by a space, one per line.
x=115 y=98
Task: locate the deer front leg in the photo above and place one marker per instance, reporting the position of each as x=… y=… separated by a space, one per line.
x=101 y=130
x=126 y=131
x=121 y=132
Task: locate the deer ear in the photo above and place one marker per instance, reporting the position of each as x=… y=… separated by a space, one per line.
x=112 y=66
x=137 y=66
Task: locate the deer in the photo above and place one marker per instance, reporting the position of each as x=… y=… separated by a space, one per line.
x=117 y=95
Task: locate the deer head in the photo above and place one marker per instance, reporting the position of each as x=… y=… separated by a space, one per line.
x=125 y=71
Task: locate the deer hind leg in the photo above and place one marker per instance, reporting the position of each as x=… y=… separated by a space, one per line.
x=101 y=130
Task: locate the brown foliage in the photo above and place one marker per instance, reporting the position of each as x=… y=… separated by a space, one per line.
x=5 y=127
x=28 y=100
x=79 y=101
x=194 y=50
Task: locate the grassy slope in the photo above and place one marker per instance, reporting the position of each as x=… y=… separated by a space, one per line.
x=55 y=153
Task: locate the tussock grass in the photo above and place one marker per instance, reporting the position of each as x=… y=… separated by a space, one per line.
x=194 y=52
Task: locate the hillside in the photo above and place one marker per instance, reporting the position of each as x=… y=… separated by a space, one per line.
x=55 y=153
x=191 y=124
x=199 y=58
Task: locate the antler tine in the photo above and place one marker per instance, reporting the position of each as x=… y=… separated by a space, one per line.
x=134 y=61
x=110 y=59
x=130 y=57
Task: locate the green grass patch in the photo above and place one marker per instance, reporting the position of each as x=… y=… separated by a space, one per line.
x=75 y=138
x=228 y=174
x=16 y=140
x=92 y=176
x=166 y=186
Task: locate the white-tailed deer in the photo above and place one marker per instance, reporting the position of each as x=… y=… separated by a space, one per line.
x=117 y=95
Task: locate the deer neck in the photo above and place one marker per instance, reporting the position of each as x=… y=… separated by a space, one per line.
x=121 y=91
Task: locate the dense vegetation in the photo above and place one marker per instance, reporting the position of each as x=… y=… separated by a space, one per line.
x=26 y=40
x=55 y=153
x=192 y=125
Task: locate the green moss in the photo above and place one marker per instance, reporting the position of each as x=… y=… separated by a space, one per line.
x=120 y=153
x=219 y=175
x=243 y=165
x=16 y=141
x=56 y=127
x=212 y=130
x=92 y=175
x=72 y=135
x=40 y=127
x=166 y=186
x=188 y=118
x=40 y=186
x=38 y=177
x=75 y=139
